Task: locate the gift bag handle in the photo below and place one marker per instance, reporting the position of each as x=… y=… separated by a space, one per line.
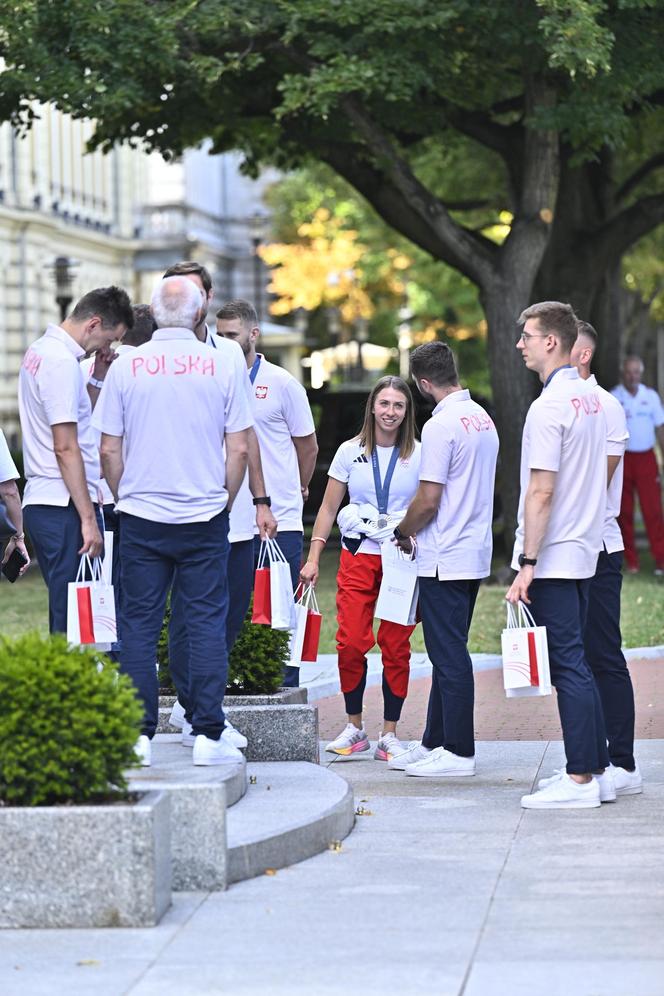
x=274 y=551
x=519 y=617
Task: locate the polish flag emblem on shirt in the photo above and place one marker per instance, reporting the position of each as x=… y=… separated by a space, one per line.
x=261 y=391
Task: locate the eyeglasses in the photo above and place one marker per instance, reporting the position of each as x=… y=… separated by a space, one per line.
x=525 y=336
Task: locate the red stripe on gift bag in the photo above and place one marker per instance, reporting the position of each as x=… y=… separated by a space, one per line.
x=532 y=655
x=85 y=624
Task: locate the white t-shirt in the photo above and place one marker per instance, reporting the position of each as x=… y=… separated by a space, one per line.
x=616 y=437
x=172 y=400
x=565 y=431
x=8 y=471
x=644 y=414
x=459 y=451
x=87 y=366
x=51 y=391
x=281 y=411
x=353 y=467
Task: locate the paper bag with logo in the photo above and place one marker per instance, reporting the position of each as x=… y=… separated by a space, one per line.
x=91 y=607
x=282 y=601
x=262 y=610
x=525 y=655
x=397 y=598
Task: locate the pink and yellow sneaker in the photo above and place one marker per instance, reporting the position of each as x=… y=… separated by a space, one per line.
x=388 y=747
x=350 y=741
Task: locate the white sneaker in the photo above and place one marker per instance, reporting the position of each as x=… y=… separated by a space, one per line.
x=350 y=741
x=441 y=763
x=627 y=782
x=234 y=736
x=207 y=751
x=555 y=777
x=564 y=793
x=389 y=746
x=607 y=788
x=177 y=716
x=414 y=752
x=143 y=751
x=188 y=737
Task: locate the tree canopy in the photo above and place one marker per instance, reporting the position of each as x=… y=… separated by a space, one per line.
x=561 y=101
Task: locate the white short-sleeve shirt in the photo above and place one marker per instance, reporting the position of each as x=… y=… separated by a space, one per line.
x=353 y=467
x=616 y=438
x=8 y=471
x=459 y=451
x=565 y=431
x=644 y=414
x=242 y=518
x=87 y=366
x=52 y=391
x=172 y=400
x=281 y=411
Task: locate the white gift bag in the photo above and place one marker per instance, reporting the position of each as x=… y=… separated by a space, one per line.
x=525 y=655
x=306 y=607
x=91 y=608
x=397 y=598
x=282 y=600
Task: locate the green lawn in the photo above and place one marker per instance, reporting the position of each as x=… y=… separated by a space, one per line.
x=24 y=606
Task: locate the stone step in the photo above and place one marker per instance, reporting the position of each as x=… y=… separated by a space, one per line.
x=292 y=811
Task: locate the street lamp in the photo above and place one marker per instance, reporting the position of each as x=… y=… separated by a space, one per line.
x=63 y=275
x=257 y=232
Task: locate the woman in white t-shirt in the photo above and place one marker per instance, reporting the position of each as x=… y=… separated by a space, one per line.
x=380 y=469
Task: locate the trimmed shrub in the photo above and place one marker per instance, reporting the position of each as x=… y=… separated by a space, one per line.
x=256 y=662
x=68 y=724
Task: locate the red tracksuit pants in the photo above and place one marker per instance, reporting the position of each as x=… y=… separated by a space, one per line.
x=358 y=584
x=641 y=475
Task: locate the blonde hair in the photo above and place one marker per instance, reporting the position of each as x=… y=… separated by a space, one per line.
x=406 y=438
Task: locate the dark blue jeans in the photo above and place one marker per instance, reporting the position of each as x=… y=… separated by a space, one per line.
x=602 y=641
x=446 y=608
x=55 y=532
x=151 y=552
x=291 y=544
x=562 y=605
x=240 y=583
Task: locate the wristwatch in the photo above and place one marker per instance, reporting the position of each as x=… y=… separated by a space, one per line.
x=526 y=561
x=398 y=535
x=263 y=501
x=96 y=383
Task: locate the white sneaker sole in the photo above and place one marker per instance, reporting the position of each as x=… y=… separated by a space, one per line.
x=410 y=770
x=630 y=790
x=570 y=804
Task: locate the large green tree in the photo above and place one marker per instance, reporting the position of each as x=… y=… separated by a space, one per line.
x=563 y=95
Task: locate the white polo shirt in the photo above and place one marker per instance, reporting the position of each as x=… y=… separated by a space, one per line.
x=644 y=414
x=354 y=468
x=281 y=411
x=565 y=432
x=459 y=451
x=8 y=471
x=51 y=391
x=616 y=438
x=87 y=366
x=172 y=400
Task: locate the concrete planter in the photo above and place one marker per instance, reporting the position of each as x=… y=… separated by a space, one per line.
x=86 y=866
x=279 y=727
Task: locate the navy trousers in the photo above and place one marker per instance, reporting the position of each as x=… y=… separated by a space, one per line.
x=240 y=582
x=446 y=608
x=562 y=605
x=151 y=553
x=602 y=641
x=55 y=531
x=291 y=543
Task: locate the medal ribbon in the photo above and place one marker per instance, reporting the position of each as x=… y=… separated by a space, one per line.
x=254 y=370
x=383 y=489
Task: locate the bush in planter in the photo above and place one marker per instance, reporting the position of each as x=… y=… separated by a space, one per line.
x=67 y=726
x=256 y=662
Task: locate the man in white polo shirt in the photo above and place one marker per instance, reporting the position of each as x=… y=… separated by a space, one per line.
x=602 y=637
x=558 y=539
x=645 y=424
x=11 y=498
x=286 y=435
x=451 y=516
x=61 y=458
x=166 y=412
